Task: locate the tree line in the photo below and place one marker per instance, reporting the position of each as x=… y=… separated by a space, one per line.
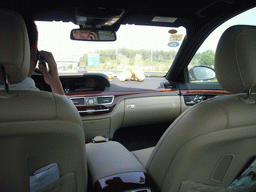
x=157 y=60
x=204 y=58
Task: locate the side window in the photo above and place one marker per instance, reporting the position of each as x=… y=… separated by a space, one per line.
x=201 y=67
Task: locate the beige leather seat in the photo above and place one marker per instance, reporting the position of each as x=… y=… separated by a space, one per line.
x=36 y=128
x=212 y=142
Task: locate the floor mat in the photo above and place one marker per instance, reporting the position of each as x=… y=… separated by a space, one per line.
x=140 y=137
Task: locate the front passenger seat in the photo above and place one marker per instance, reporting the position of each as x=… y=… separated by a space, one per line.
x=209 y=144
x=37 y=128
x=212 y=142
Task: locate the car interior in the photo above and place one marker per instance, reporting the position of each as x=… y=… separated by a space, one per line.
x=147 y=107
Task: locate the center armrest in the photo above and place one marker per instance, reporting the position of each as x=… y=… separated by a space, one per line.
x=110 y=158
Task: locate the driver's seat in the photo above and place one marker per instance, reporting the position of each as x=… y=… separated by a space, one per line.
x=37 y=128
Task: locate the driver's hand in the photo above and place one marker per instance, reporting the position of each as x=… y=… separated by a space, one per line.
x=51 y=76
x=94 y=36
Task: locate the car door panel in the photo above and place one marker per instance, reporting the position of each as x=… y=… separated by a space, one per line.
x=193 y=93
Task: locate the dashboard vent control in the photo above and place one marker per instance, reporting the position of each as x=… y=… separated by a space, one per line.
x=169 y=85
x=194 y=99
x=92 y=101
x=104 y=100
x=78 y=101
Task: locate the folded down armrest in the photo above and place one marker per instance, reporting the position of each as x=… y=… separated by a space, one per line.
x=110 y=158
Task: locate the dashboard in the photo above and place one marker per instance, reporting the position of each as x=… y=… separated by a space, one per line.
x=105 y=107
x=85 y=83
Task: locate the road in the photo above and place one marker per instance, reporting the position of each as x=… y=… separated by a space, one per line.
x=148 y=83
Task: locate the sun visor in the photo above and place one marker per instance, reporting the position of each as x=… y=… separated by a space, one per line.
x=98 y=17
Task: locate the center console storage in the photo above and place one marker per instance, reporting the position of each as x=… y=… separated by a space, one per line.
x=114 y=168
x=93 y=128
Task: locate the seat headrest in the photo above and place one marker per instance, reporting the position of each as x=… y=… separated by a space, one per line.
x=235 y=59
x=14 y=46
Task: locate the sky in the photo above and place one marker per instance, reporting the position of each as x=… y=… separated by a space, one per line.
x=55 y=37
x=247 y=18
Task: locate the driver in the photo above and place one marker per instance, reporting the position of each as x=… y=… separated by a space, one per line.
x=85 y=34
x=51 y=76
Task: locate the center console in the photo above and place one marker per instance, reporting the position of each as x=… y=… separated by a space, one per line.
x=126 y=182
x=114 y=168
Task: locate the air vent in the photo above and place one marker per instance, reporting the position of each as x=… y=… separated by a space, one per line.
x=92 y=101
x=169 y=86
x=78 y=101
x=105 y=100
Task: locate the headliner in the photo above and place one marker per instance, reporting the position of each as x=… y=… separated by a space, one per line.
x=188 y=11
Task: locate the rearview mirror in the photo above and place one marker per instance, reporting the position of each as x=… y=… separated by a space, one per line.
x=202 y=73
x=92 y=35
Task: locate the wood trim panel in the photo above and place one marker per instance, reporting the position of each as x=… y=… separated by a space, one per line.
x=121 y=95
x=118 y=96
x=126 y=181
x=204 y=92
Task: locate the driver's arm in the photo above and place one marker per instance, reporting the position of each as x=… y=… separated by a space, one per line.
x=51 y=76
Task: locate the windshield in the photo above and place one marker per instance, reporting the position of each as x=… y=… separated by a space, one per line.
x=138 y=52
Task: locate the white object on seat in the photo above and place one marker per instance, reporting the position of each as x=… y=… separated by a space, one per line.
x=99 y=139
x=44 y=176
x=37 y=127
x=110 y=158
